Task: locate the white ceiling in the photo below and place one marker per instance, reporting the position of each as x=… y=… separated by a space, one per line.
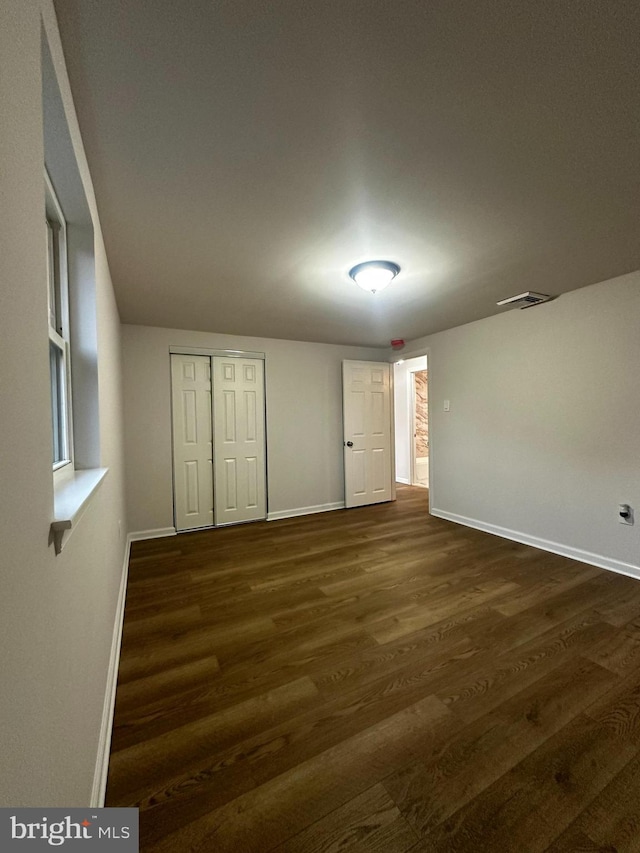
x=246 y=154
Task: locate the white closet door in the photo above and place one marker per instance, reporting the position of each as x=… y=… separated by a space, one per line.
x=366 y=390
x=240 y=458
x=192 y=446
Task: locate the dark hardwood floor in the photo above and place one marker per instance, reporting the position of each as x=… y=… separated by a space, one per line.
x=376 y=679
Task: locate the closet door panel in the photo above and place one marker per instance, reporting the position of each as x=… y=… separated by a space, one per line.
x=239 y=439
x=192 y=441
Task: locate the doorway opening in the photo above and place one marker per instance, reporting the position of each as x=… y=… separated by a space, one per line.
x=411 y=395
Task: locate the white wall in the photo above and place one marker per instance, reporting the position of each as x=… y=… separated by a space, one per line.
x=543 y=434
x=304 y=419
x=56 y=613
x=403 y=410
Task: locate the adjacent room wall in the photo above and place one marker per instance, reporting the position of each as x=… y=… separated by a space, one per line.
x=542 y=437
x=56 y=613
x=421 y=414
x=402 y=390
x=304 y=420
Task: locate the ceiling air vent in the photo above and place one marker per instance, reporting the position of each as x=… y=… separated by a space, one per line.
x=525 y=300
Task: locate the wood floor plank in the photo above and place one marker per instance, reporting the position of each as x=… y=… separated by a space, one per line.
x=574 y=841
x=155 y=759
x=510 y=632
x=451 y=774
x=528 y=807
x=372 y=663
x=421 y=617
x=376 y=679
x=620 y=652
x=256 y=762
x=235 y=685
x=317 y=569
x=189 y=645
x=133 y=695
x=624 y=606
x=258 y=821
x=160 y=624
x=612 y=820
x=370 y=821
x=276 y=751
x=406 y=575
x=509 y=672
x=569 y=578
x=619 y=709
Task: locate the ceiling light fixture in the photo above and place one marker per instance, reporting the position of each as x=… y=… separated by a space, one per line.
x=374 y=275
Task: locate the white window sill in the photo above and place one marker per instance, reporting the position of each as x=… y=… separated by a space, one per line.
x=70 y=499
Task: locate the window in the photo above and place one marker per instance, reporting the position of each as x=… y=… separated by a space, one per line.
x=58 y=301
x=70 y=281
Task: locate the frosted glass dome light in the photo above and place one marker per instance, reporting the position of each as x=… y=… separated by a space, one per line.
x=374 y=275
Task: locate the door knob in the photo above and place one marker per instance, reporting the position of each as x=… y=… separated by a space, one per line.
x=349 y=443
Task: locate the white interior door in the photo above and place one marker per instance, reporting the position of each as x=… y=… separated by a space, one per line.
x=366 y=389
x=240 y=458
x=192 y=446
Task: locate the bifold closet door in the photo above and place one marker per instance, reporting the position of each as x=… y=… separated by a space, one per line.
x=239 y=445
x=192 y=445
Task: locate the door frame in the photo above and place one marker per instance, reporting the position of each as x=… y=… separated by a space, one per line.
x=225 y=353
x=406 y=356
x=412 y=428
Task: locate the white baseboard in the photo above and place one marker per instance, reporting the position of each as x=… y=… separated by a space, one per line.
x=597 y=560
x=104 y=744
x=304 y=510
x=405 y=480
x=152 y=534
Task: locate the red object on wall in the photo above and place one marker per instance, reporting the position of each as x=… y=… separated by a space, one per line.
x=398 y=343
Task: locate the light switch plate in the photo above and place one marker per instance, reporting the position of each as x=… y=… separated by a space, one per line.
x=446 y=405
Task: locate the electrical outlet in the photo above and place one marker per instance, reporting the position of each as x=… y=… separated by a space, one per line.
x=625 y=514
